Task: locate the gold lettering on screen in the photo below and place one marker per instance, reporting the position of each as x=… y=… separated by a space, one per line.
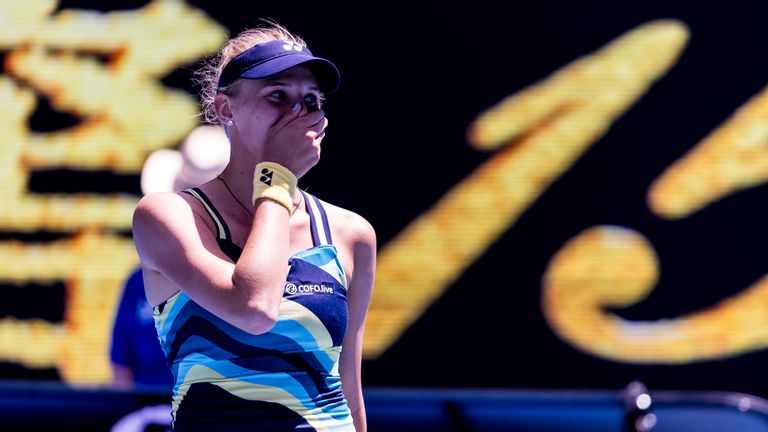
x=105 y=70
x=613 y=267
x=616 y=267
x=537 y=134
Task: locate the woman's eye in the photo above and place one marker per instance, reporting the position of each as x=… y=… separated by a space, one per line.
x=312 y=102
x=279 y=95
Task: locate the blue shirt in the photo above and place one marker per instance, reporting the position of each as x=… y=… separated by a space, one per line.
x=134 y=338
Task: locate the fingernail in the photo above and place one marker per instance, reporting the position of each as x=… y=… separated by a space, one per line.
x=295 y=106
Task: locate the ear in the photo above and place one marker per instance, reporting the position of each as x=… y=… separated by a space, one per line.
x=222 y=106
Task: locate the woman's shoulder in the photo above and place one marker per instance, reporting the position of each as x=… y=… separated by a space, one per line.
x=163 y=224
x=163 y=210
x=351 y=225
x=157 y=204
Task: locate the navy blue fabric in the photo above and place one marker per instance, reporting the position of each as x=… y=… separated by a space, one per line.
x=269 y=58
x=134 y=338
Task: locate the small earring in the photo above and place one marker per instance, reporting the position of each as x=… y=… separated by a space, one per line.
x=229 y=123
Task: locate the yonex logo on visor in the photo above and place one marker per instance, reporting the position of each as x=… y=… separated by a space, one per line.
x=270 y=58
x=289 y=45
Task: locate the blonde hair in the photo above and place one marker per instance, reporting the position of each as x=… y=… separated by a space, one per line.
x=207 y=77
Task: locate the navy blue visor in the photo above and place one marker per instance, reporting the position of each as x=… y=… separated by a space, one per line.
x=270 y=58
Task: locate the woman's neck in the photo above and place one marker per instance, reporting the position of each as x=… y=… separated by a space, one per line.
x=239 y=184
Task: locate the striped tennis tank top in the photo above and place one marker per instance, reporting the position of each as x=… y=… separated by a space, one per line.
x=286 y=379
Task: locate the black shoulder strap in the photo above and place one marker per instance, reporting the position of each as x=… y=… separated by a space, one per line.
x=224 y=236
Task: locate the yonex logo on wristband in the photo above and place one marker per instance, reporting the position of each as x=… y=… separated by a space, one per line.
x=275 y=183
x=266 y=176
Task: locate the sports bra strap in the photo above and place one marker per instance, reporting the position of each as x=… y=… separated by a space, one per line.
x=222 y=230
x=318 y=218
x=318 y=221
x=223 y=235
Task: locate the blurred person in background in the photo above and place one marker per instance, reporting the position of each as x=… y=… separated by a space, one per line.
x=136 y=357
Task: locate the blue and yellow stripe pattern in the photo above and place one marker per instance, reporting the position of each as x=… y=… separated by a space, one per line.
x=285 y=379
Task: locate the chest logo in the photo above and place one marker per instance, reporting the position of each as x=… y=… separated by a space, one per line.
x=291 y=288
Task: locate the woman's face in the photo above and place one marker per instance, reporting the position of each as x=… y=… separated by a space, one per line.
x=260 y=103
